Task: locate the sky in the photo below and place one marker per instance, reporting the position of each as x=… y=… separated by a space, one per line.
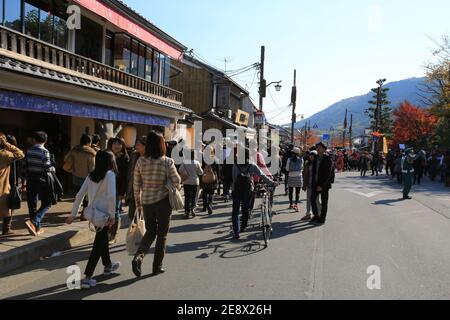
x=338 y=47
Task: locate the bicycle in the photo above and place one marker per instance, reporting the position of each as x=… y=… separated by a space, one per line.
x=266 y=211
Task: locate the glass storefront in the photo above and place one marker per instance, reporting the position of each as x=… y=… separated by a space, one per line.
x=122 y=56
x=109 y=48
x=88 y=40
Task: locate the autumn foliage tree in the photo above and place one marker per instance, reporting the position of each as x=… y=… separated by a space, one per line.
x=413 y=126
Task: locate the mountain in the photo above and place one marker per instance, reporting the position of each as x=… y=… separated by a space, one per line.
x=334 y=115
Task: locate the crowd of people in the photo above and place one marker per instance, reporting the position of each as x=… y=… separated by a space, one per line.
x=116 y=177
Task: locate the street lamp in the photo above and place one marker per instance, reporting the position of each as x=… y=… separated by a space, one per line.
x=278 y=85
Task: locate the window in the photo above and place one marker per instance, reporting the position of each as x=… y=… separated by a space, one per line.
x=148 y=64
x=122 y=54
x=13 y=14
x=166 y=72
x=88 y=40
x=109 y=47
x=134 y=57
x=223 y=96
x=46 y=26
x=156 y=67
x=1 y=11
x=31 y=20
x=60 y=32
x=141 y=61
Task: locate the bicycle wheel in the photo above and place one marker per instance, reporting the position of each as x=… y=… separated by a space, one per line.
x=265 y=223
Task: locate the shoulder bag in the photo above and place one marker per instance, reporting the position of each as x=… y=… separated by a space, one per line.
x=135 y=233
x=97 y=218
x=175 y=198
x=15 y=198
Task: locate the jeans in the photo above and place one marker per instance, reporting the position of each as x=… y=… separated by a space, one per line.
x=324 y=196
x=99 y=250
x=240 y=201
x=157 y=222
x=190 y=198
x=37 y=189
x=291 y=195
x=207 y=198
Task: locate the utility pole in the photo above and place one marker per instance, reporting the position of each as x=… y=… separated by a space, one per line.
x=262 y=82
x=345 y=128
x=350 y=132
x=294 y=106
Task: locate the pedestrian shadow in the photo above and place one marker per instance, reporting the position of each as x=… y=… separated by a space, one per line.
x=61 y=261
x=387 y=202
x=248 y=249
x=195 y=227
x=61 y=292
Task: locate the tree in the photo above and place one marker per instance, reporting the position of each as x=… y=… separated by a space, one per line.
x=436 y=91
x=413 y=126
x=379 y=110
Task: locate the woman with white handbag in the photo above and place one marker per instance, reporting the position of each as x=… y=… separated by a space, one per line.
x=156 y=191
x=100 y=186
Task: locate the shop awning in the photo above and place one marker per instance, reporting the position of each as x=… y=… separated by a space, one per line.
x=26 y=102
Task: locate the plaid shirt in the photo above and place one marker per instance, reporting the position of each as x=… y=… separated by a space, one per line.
x=150 y=178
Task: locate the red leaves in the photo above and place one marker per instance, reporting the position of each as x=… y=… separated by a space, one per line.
x=412 y=125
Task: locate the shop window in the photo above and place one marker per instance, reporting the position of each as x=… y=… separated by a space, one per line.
x=46 y=26
x=122 y=44
x=141 y=61
x=60 y=32
x=88 y=40
x=31 y=20
x=156 y=67
x=13 y=14
x=166 y=71
x=134 y=57
x=109 y=47
x=148 y=64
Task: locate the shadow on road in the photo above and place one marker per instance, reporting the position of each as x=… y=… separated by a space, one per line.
x=61 y=292
x=388 y=202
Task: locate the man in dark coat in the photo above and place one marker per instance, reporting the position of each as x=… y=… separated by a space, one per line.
x=321 y=183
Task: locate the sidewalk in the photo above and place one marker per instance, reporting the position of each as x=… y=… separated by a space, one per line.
x=22 y=249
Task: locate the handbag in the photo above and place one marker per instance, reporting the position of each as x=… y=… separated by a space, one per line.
x=14 y=198
x=97 y=218
x=135 y=233
x=175 y=198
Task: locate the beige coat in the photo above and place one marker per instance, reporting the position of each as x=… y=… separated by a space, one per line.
x=7 y=156
x=83 y=161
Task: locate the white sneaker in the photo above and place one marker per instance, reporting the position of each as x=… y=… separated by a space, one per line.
x=111 y=269
x=88 y=283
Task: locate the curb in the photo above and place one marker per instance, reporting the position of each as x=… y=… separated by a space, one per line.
x=20 y=257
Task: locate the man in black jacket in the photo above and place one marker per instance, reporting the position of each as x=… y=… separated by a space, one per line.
x=321 y=183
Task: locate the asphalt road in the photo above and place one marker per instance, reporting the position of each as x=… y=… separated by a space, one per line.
x=406 y=243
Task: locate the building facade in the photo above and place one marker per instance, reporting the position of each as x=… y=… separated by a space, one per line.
x=221 y=102
x=111 y=75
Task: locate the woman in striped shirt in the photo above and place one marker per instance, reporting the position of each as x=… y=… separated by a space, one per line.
x=151 y=195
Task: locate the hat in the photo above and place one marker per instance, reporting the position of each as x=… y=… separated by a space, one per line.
x=296 y=151
x=314 y=153
x=320 y=144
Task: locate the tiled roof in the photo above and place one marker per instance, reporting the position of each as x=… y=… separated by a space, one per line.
x=13 y=65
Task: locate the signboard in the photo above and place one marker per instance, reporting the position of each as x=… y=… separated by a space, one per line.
x=402 y=147
x=260 y=118
x=326 y=137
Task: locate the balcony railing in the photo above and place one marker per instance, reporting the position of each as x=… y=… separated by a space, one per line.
x=28 y=46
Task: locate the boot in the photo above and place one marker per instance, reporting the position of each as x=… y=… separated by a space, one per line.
x=7 y=222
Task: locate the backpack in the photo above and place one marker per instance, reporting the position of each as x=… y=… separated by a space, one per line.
x=244 y=182
x=209 y=176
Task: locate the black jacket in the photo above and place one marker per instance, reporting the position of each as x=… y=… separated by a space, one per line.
x=123 y=162
x=326 y=173
x=54 y=186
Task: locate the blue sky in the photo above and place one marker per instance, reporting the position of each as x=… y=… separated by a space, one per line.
x=339 y=47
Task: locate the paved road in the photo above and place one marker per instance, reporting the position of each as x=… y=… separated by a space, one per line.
x=368 y=226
